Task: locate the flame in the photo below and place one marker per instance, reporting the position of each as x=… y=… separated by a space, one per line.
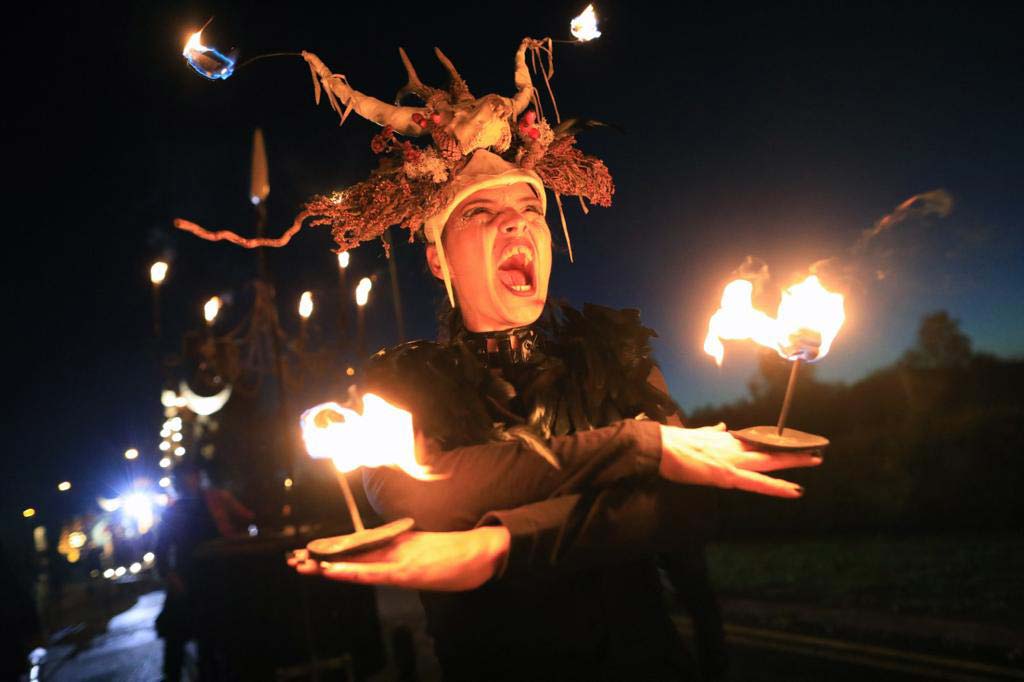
x=808 y=319
x=158 y=272
x=381 y=436
x=363 y=291
x=584 y=27
x=211 y=308
x=306 y=304
x=207 y=61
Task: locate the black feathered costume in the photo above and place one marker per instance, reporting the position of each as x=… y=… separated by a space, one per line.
x=579 y=596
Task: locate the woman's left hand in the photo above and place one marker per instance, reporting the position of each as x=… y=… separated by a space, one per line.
x=417 y=560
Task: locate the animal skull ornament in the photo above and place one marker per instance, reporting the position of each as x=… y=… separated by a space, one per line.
x=474 y=123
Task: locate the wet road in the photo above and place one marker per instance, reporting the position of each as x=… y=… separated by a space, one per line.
x=129 y=651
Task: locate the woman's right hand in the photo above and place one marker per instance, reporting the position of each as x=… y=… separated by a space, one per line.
x=712 y=456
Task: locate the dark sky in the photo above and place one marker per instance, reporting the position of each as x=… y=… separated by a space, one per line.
x=780 y=130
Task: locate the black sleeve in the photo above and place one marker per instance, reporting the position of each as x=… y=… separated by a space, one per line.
x=599 y=527
x=480 y=478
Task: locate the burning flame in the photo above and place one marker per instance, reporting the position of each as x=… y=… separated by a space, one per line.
x=158 y=272
x=207 y=61
x=211 y=308
x=306 y=304
x=808 y=319
x=381 y=436
x=584 y=27
x=363 y=291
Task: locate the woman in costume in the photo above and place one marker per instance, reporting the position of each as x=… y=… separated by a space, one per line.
x=565 y=469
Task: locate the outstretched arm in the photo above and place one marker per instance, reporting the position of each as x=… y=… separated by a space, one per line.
x=479 y=478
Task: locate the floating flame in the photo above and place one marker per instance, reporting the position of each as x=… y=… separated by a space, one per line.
x=306 y=305
x=381 y=436
x=808 y=319
x=584 y=27
x=207 y=61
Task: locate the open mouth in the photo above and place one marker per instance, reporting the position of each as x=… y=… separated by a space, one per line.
x=515 y=269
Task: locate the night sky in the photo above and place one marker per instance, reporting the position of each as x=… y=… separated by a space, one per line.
x=779 y=130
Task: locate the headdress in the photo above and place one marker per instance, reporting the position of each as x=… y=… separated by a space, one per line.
x=471 y=143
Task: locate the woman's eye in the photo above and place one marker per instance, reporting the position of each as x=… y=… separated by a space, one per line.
x=473 y=212
x=533 y=209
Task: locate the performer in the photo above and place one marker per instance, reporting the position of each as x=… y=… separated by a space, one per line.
x=565 y=466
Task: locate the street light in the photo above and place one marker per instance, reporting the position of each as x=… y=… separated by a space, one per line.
x=64 y=486
x=306 y=304
x=29 y=513
x=131 y=453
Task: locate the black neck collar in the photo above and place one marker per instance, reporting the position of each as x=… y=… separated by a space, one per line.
x=503 y=348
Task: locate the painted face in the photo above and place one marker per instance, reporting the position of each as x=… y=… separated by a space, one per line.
x=499 y=254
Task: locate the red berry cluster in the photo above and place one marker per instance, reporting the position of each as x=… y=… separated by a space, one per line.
x=423 y=121
x=381 y=142
x=527 y=125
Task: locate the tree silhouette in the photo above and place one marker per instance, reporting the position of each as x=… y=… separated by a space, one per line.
x=940 y=344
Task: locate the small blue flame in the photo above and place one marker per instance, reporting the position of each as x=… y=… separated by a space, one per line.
x=208 y=62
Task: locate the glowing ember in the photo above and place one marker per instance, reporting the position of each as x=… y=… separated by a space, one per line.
x=584 y=27
x=381 y=436
x=207 y=61
x=808 y=319
x=306 y=304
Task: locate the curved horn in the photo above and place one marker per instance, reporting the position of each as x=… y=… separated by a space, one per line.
x=415 y=86
x=524 y=85
x=370 y=108
x=458 y=87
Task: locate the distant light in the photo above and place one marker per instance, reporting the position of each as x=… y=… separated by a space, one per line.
x=139 y=507
x=64 y=486
x=165 y=462
x=120 y=571
x=288 y=483
x=306 y=304
x=162 y=499
x=77 y=539
x=351 y=371
x=179 y=451
x=165 y=445
x=363 y=291
x=131 y=453
x=109 y=505
x=164 y=482
x=29 y=513
x=165 y=433
x=109 y=573
x=176 y=436
x=170 y=411
x=253 y=530
x=157 y=272
x=135 y=568
x=94 y=573
x=211 y=308
x=174 y=424
x=149 y=557
x=167 y=397
x=343 y=259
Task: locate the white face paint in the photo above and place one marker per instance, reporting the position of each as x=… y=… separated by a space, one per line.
x=498 y=248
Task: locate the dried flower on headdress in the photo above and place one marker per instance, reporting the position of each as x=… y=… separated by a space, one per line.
x=413 y=183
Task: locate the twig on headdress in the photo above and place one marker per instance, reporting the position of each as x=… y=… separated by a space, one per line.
x=228 y=235
x=565 y=226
